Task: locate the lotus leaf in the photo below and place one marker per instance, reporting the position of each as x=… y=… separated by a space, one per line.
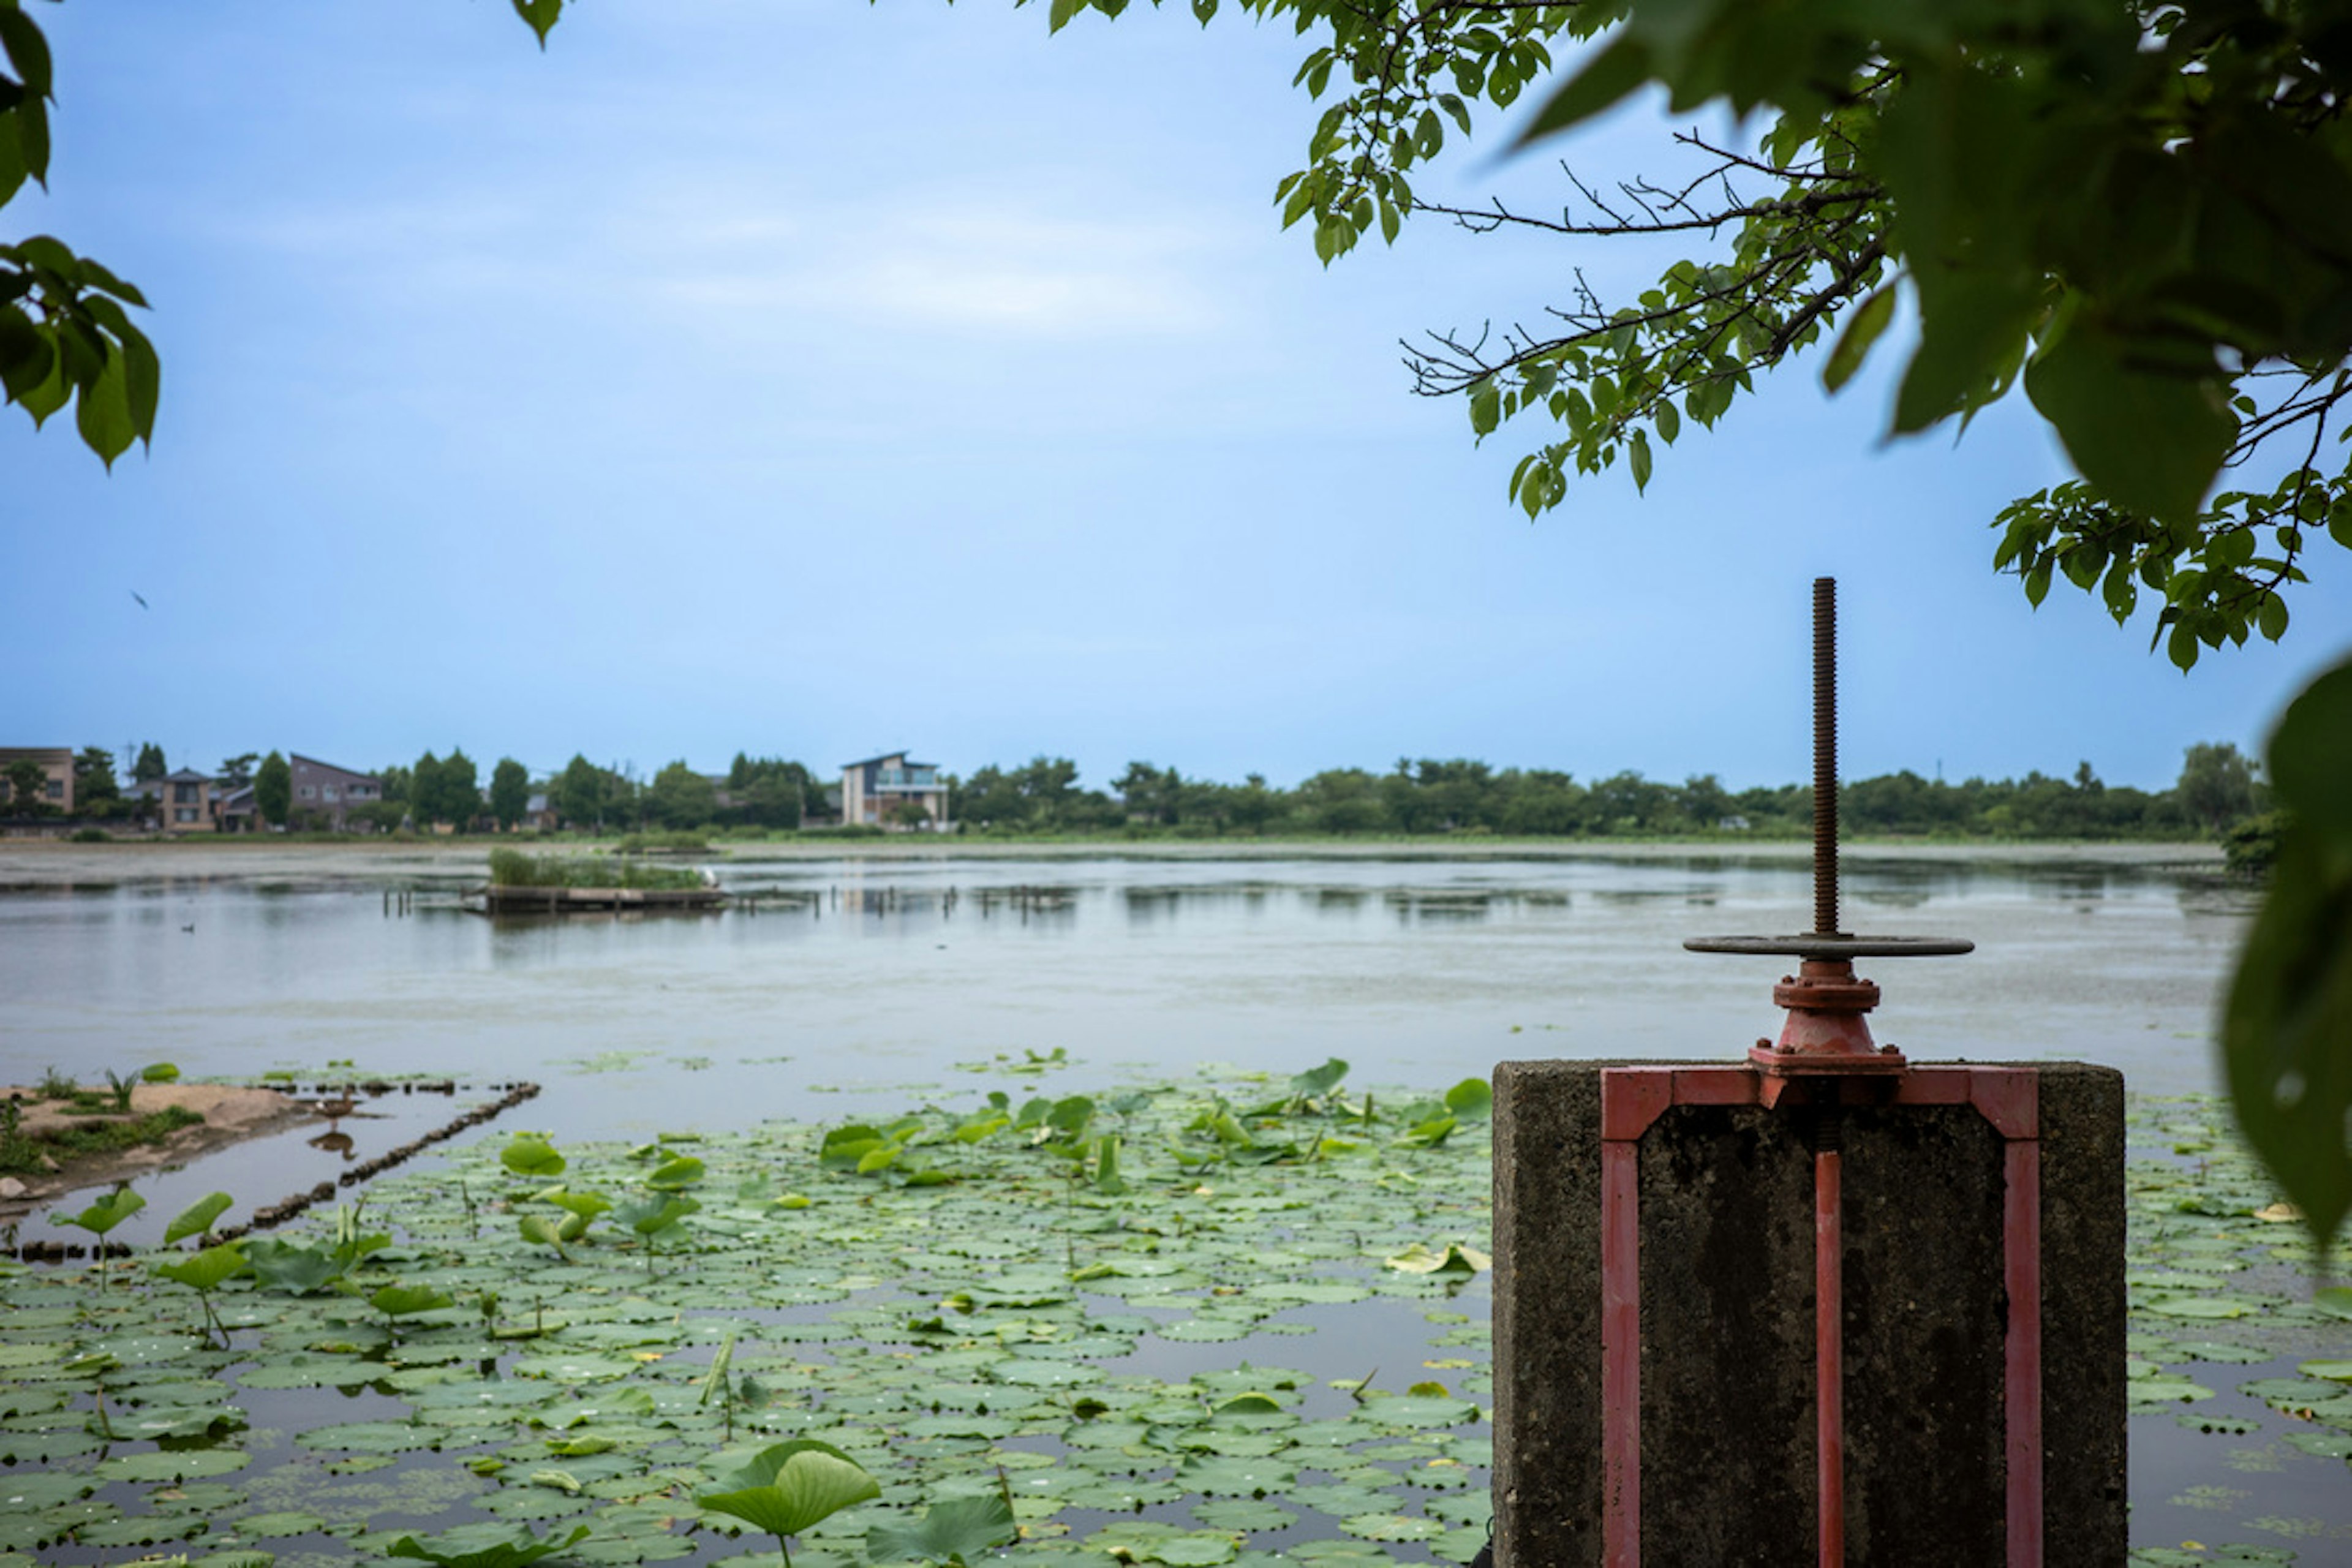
x=197 y=1218
x=206 y=1270
x=1316 y=1082
x=172 y=1464
x=953 y=1530
x=407 y=1301
x=520 y=1549
x=1194 y=1551
x=530 y=1154
x=785 y=1489
x=105 y=1214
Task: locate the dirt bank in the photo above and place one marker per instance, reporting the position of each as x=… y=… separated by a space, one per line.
x=230 y=1115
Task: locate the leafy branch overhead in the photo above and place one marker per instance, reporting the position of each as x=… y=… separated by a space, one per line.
x=2140 y=215
x=65 y=335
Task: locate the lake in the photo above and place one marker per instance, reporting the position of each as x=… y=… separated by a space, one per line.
x=871 y=974
x=855 y=986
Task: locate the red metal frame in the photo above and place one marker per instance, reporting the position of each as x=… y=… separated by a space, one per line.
x=1632 y=1098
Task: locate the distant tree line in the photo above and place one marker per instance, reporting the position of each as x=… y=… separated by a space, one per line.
x=2216 y=792
x=2217 y=788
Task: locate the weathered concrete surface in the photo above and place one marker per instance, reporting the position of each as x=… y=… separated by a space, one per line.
x=1727 y=1309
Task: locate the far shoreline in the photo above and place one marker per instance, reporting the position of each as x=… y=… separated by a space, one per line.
x=31 y=864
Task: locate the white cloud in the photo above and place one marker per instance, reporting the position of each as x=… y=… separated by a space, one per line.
x=981 y=273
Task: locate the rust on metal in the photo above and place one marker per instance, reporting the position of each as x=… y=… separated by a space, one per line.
x=1825 y=801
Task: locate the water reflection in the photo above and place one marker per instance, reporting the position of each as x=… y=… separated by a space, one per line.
x=880 y=974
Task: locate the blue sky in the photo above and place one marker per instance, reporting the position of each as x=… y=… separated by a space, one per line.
x=817 y=378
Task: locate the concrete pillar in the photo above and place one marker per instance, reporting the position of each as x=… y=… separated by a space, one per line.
x=1720 y=1462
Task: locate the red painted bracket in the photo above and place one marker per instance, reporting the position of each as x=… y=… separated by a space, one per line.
x=1632 y=1098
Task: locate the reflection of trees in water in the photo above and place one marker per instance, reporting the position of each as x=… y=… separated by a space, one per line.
x=1410 y=906
x=1148 y=904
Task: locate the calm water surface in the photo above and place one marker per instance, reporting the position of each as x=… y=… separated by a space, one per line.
x=872 y=975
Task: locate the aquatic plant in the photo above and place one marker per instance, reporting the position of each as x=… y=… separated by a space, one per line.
x=206 y=1272
x=102 y=1217
x=530 y=1154
x=301 y=1270
x=197 y=1218
x=653 y=1216
x=953 y=1530
x=398 y=1301
x=520 y=1550
x=786 y=1489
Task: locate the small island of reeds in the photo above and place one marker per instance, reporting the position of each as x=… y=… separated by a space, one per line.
x=558 y=882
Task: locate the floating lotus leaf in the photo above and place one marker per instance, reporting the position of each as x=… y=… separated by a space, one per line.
x=1342 y=1501
x=2224 y=1425
x=27 y=1492
x=1392 y=1527
x=407 y=1301
x=138 y=1530
x=1253 y=1477
x=372 y=1437
x=519 y=1549
x=1197 y=1550
x=169 y=1465
x=531 y=1155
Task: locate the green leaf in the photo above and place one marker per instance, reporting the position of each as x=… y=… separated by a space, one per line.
x=531 y=1155
x=1971 y=332
x=2147 y=440
x=407 y=1301
x=300 y=1270
x=2311 y=756
x=786 y=1489
x=1059 y=17
x=28 y=52
x=1637 y=456
x=197 y=1218
x=1316 y=1082
x=102 y=415
x=957 y=1528
x=671 y=1175
x=1471 y=1099
x=1615 y=73
x=208 y=1269
x=540 y=15
x=2284 y=1032
x=1854 y=344
x=105 y=1214
x=652 y=1215
x=525 y=1549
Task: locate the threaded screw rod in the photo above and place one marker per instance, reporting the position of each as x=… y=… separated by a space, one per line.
x=1825 y=803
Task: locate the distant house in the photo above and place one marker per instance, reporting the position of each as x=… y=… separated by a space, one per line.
x=57 y=772
x=323 y=791
x=322 y=796
x=182 y=802
x=538 y=814
x=871 y=791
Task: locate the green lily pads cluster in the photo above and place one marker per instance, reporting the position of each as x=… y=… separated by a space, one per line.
x=2229 y=1339
x=913 y=1339
x=1232 y=1319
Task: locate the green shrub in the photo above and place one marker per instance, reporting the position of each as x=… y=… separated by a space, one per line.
x=2251 y=844
x=89 y=836
x=514 y=869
